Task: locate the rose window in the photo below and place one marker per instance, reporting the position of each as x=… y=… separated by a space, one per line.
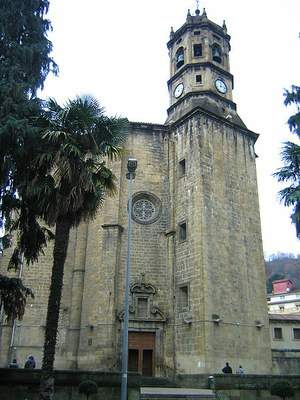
x=144 y=210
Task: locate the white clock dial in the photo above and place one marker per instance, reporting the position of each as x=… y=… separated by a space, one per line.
x=178 y=90
x=221 y=86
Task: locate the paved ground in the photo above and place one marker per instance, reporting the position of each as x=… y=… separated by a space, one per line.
x=176 y=392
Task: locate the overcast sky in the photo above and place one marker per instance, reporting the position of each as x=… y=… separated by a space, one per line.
x=116 y=51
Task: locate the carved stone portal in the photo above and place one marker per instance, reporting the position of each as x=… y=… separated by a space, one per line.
x=141 y=303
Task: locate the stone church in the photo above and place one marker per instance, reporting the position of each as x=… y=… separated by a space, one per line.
x=197 y=292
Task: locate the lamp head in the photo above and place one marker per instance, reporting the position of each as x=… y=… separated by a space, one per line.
x=131 y=165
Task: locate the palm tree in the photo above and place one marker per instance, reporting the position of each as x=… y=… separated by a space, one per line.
x=69 y=187
x=290 y=172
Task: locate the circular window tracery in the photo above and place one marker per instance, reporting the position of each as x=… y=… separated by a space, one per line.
x=146 y=208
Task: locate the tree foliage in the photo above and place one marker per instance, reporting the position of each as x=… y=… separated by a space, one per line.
x=13 y=295
x=290 y=171
x=292 y=97
x=24 y=64
x=88 y=387
x=72 y=178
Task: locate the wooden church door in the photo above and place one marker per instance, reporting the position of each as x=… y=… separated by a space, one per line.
x=141 y=346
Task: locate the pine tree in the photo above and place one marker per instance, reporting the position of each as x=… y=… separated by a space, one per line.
x=290 y=172
x=24 y=65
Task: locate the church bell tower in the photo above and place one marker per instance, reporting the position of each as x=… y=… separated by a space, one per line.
x=220 y=311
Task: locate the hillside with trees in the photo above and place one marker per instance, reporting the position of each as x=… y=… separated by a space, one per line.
x=283 y=266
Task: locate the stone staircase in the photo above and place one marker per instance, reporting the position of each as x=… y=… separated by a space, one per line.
x=173 y=393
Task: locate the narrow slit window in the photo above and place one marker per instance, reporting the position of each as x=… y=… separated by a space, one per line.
x=183 y=298
x=181 y=168
x=197 y=50
x=182 y=231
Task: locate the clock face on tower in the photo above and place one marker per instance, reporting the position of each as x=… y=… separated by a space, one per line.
x=178 y=90
x=221 y=86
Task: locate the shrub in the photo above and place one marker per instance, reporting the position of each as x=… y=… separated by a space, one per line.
x=282 y=389
x=88 y=387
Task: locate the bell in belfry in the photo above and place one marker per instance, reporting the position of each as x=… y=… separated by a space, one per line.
x=216 y=53
x=179 y=58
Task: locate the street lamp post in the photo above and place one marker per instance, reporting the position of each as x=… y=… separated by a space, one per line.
x=131 y=167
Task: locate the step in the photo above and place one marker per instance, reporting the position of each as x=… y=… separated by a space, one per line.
x=147 y=381
x=170 y=393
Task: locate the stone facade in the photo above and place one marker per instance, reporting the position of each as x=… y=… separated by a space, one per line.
x=197 y=268
x=285 y=343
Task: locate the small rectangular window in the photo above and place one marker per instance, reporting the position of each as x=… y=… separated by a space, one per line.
x=277 y=333
x=181 y=168
x=196 y=33
x=183 y=298
x=182 y=231
x=199 y=78
x=197 y=50
x=296 y=332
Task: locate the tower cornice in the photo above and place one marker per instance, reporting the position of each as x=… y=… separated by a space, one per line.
x=202 y=64
x=203 y=93
x=197 y=22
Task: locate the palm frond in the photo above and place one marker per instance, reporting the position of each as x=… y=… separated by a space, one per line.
x=290 y=195
x=292 y=96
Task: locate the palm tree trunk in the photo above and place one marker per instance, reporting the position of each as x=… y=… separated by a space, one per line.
x=62 y=232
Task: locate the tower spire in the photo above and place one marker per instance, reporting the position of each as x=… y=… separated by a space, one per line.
x=197 y=12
